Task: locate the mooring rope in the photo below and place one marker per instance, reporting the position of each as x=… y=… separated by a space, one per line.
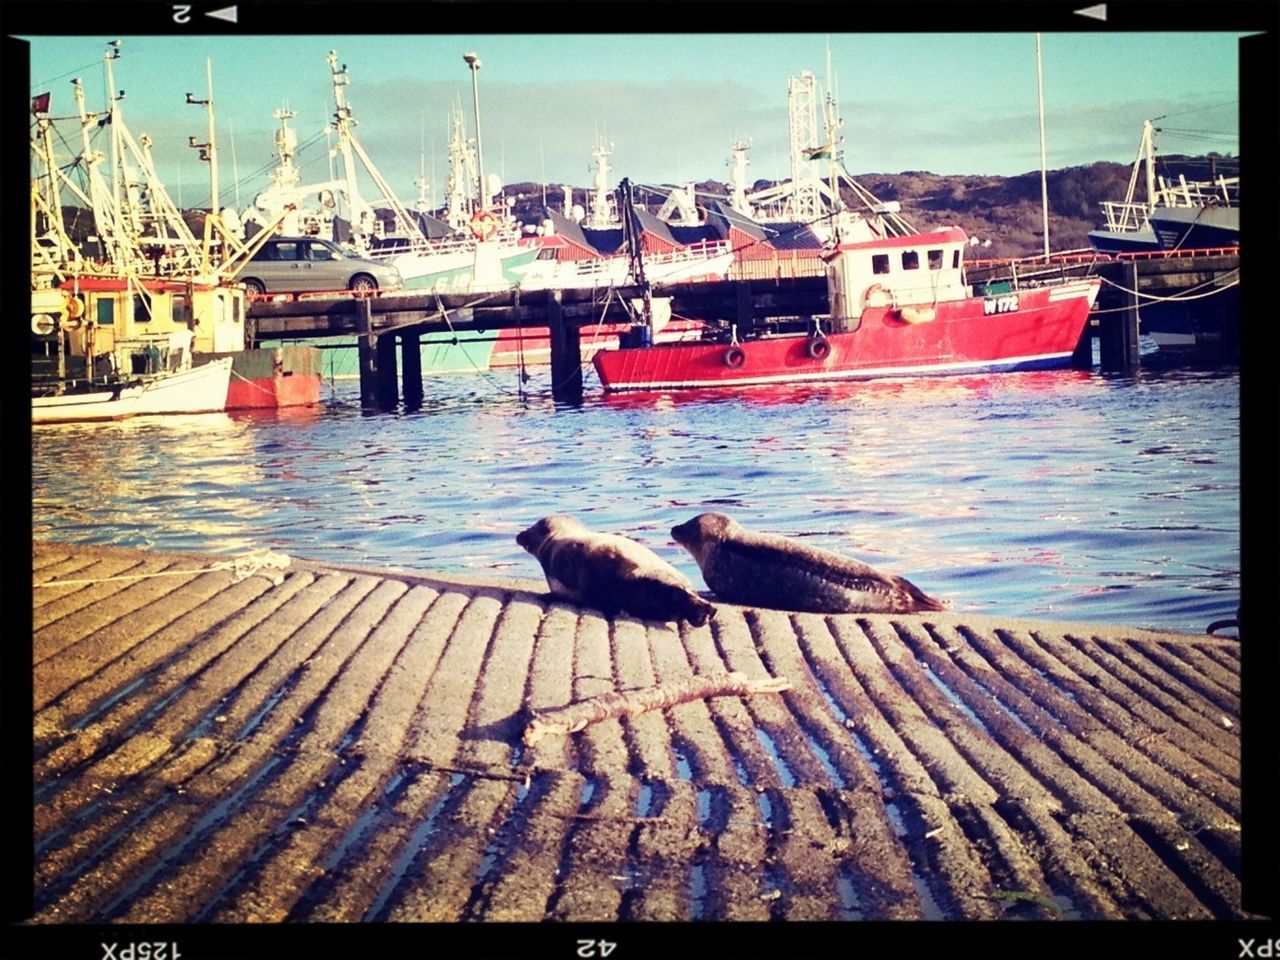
x=1183 y=297
x=444 y=315
x=241 y=376
x=267 y=563
x=583 y=365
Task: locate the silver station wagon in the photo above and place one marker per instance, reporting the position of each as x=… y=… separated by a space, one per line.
x=303 y=264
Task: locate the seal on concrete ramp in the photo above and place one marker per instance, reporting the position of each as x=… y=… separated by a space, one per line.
x=611 y=573
x=764 y=570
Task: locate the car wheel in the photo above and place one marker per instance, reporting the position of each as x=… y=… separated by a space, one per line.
x=255 y=287
x=363 y=285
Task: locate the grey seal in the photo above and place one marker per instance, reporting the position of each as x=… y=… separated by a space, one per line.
x=765 y=570
x=609 y=572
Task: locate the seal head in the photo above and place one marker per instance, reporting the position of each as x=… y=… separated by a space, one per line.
x=765 y=570
x=611 y=573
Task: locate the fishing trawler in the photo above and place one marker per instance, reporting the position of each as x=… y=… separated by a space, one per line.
x=83 y=371
x=145 y=298
x=898 y=298
x=900 y=306
x=481 y=251
x=1176 y=215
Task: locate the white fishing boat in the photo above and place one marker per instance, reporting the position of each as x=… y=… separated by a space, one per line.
x=707 y=259
x=201 y=389
x=142 y=298
x=100 y=403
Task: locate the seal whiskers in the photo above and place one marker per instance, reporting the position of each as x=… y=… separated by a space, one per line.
x=611 y=573
x=765 y=570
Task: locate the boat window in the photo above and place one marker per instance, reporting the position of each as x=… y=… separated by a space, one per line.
x=955 y=260
x=910 y=260
x=181 y=310
x=880 y=263
x=106 y=312
x=935 y=259
x=140 y=312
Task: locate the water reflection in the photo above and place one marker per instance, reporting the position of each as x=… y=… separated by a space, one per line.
x=180 y=482
x=1056 y=493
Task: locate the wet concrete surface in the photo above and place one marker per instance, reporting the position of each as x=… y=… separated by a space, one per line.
x=345 y=746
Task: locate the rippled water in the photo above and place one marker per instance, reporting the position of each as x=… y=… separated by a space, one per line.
x=1056 y=494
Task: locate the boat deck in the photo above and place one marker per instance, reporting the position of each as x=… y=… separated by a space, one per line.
x=345 y=745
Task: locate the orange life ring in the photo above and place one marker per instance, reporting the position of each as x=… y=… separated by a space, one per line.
x=75 y=308
x=818 y=348
x=484 y=225
x=734 y=357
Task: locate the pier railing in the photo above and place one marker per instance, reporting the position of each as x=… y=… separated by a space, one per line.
x=1076 y=257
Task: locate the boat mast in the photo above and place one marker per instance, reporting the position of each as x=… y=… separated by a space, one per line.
x=461 y=163
x=602 y=216
x=114 y=120
x=209 y=153
x=1149 y=149
x=473 y=62
x=832 y=124
x=102 y=203
x=343 y=122
x=423 y=204
x=363 y=219
x=1044 y=175
x=738 y=177
x=803 y=117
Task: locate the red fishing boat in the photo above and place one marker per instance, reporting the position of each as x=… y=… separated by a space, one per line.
x=900 y=306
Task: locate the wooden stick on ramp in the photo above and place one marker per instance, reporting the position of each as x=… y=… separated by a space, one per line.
x=576 y=716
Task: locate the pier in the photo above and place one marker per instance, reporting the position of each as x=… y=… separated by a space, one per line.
x=383 y=323
x=1132 y=283
x=266 y=739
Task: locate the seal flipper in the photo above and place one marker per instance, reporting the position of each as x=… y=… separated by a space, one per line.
x=651 y=599
x=922 y=601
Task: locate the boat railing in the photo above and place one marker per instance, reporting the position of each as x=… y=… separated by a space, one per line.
x=1198 y=193
x=703 y=250
x=1124 y=217
x=421 y=245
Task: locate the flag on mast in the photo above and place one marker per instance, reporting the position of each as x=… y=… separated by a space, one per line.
x=40 y=104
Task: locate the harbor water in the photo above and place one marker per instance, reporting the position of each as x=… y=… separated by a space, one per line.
x=1066 y=495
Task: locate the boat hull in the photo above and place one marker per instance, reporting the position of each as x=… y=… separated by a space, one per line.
x=267 y=378
x=1032 y=329
x=1196 y=228
x=201 y=389
x=531 y=346
x=454 y=272
x=1125 y=241
x=95 y=405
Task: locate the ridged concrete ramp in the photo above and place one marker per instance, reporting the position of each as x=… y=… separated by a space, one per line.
x=344 y=745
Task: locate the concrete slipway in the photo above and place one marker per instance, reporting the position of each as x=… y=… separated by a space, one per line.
x=214 y=745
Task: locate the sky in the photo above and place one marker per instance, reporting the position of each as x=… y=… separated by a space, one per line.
x=670 y=104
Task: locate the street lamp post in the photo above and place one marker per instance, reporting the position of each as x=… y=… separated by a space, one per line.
x=473 y=61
